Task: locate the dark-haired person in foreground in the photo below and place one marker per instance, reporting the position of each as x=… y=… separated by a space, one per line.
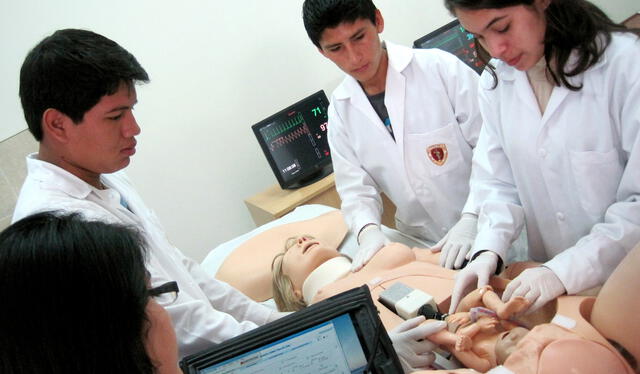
x=560 y=146
x=404 y=122
x=78 y=92
x=76 y=299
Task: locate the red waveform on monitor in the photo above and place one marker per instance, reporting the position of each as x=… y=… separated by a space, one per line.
x=290 y=137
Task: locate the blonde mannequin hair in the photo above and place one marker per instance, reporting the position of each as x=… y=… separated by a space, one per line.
x=283 y=293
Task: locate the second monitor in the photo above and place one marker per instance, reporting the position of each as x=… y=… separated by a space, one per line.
x=454 y=39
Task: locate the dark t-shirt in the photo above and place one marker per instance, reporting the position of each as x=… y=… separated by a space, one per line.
x=377 y=101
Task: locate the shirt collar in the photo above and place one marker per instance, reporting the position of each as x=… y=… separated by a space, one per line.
x=43 y=171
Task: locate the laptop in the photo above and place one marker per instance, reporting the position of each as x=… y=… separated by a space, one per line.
x=342 y=334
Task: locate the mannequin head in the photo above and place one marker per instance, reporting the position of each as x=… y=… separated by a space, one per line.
x=507 y=341
x=290 y=268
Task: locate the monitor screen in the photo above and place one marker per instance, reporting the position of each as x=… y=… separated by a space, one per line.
x=329 y=347
x=454 y=39
x=294 y=141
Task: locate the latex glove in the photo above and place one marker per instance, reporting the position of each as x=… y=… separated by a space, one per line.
x=457 y=244
x=480 y=269
x=538 y=285
x=410 y=342
x=371 y=240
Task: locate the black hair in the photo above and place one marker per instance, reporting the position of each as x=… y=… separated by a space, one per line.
x=571 y=25
x=318 y=15
x=74 y=294
x=70 y=71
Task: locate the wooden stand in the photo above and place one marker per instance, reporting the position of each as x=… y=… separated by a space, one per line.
x=275 y=202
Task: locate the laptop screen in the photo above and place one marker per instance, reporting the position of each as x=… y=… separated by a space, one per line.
x=329 y=347
x=341 y=334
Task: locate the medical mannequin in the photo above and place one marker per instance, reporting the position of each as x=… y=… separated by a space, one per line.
x=498 y=340
x=560 y=142
x=404 y=123
x=434 y=280
x=310 y=271
x=76 y=299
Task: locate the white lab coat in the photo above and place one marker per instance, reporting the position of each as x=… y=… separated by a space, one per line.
x=431 y=99
x=207 y=311
x=573 y=173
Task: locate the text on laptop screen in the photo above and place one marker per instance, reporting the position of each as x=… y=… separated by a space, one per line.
x=330 y=347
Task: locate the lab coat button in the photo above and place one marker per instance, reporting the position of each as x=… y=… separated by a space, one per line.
x=542 y=152
x=560 y=216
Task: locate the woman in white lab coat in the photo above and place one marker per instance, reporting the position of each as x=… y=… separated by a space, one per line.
x=560 y=146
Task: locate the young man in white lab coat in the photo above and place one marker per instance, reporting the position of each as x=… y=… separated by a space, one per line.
x=78 y=90
x=403 y=122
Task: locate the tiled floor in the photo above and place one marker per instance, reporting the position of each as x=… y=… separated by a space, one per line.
x=13 y=171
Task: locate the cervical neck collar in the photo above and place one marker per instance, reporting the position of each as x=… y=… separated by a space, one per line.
x=329 y=272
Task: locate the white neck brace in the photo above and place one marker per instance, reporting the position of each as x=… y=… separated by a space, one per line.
x=330 y=271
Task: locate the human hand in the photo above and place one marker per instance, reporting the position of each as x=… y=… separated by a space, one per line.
x=410 y=342
x=538 y=285
x=371 y=240
x=457 y=244
x=479 y=269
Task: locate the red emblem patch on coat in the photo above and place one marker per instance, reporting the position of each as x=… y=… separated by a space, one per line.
x=438 y=153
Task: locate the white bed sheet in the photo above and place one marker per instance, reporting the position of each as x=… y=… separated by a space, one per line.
x=216 y=257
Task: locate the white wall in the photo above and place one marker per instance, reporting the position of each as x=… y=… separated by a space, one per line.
x=216 y=68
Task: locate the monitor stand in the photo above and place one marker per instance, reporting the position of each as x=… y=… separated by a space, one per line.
x=312 y=178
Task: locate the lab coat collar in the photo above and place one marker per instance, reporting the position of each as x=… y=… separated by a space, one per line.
x=43 y=171
x=399 y=56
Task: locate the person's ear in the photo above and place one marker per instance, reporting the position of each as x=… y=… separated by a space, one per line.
x=54 y=125
x=379 y=21
x=298 y=294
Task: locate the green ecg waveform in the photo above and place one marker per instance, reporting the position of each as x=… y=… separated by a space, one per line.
x=283 y=127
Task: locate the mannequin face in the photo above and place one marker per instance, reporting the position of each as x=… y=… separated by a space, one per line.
x=513 y=34
x=507 y=341
x=304 y=255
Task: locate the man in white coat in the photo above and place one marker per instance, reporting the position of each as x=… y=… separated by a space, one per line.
x=403 y=122
x=78 y=90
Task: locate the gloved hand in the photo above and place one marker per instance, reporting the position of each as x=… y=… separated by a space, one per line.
x=410 y=342
x=371 y=239
x=455 y=246
x=479 y=269
x=538 y=285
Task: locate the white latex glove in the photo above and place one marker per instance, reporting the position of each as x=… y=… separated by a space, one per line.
x=480 y=269
x=538 y=285
x=371 y=240
x=410 y=342
x=455 y=246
